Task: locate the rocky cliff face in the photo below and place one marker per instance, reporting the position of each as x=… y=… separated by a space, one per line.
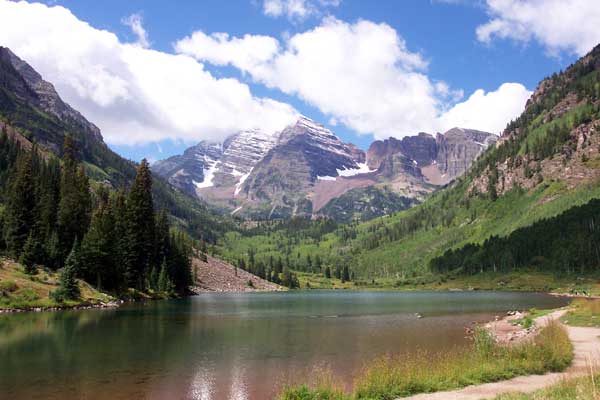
x=555 y=141
x=457 y=148
x=435 y=160
x=34 y=90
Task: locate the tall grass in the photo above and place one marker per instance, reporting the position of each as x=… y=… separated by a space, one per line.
x=323 y=387
x=583 y=313
x=422 y=372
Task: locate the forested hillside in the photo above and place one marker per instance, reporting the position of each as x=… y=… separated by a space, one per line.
x=546 y=162
x=53 y=217
x=566 y=244
x=32 y=111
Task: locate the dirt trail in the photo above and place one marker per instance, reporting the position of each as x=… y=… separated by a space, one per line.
x=586 y=347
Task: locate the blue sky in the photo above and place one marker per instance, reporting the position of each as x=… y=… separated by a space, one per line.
x=446 y=51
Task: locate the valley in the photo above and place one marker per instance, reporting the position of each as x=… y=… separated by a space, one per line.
x=317 y=208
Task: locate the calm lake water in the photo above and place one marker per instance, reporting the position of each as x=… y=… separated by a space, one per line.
x=230 y=346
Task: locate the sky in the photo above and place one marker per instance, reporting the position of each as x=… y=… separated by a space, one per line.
x=159 y=76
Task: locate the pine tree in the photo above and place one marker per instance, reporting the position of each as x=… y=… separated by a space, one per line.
x=20 y=205
x=179 y=262
x=52 y=250
x=163 y=279
x=161 y=237
x=75 y=200
x=154 y=278
x=98 y=262
x=122 y=248
x=68 y=287
x=28 y=255
x=140 y=227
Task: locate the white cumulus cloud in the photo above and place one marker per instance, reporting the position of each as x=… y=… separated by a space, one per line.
x=489 y=111
x=558 y=25
x=361 y=75
x=296 y=10
x=134 y=94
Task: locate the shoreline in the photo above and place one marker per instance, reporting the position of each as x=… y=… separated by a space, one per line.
x=197 y=290
x=101 y=306
x=574 y=296
x=506 y=332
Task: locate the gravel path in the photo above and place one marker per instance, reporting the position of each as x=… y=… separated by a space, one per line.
x=586 y=347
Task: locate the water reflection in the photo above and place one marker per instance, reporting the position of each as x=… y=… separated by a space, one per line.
x=229 y=346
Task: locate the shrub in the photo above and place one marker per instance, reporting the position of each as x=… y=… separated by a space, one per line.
x=7 y=287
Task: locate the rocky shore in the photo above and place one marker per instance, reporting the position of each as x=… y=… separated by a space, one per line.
x=111 y=304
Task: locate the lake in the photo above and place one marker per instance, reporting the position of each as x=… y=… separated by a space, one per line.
x=231 y=346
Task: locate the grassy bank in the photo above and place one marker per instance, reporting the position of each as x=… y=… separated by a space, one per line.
x=21 y=291
x=584 y=388
x=583 y=313
x=393 y=377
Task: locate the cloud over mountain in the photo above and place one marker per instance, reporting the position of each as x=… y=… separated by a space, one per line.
x=134 y=94
x=361 y=75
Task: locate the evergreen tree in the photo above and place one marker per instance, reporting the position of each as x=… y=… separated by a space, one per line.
x=75 y=200
x=28 y=255
x=68 y=287
x=179 y=262
x=20 y=205
x=122 y=247
x=289 y=279
x=140 y=227
x=163 y=279
x=260 y=270
x=99 y=264
x=154 y=278
x=161 y=237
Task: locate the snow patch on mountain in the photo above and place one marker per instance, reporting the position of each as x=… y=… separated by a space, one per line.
x=238 y=186
x=326 y=178
x=363 y=168
x=209 y=175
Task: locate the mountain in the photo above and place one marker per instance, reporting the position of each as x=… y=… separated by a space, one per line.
x=32 y=111
x=536 y=181
x=302 y=169
x=306 y=153
x=438 y=160
x=265 y=175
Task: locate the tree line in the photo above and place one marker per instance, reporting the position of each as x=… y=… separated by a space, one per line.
x=51 y=216
x=565 y=244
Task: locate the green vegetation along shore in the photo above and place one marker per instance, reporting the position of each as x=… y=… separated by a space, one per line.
x=21 y=291
x=486 y=361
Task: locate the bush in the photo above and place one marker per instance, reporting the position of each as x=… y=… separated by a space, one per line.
x=7 y=287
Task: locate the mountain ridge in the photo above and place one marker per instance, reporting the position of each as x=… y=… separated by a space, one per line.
x=305 y=166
